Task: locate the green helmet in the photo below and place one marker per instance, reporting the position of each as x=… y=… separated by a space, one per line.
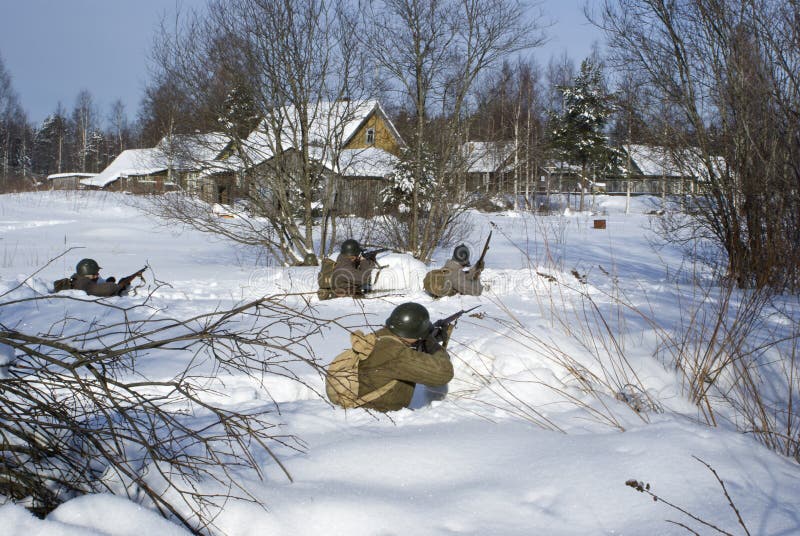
x=351 y=247
x=87 y=267
x=410 y=321
x=461 y=255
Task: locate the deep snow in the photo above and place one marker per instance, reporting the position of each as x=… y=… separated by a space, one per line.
x=516 y=447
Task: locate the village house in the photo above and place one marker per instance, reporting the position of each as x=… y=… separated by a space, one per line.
x=657 y=170
x=169 y=166
x=352 y=143
x=489 y=166
x=67 y=181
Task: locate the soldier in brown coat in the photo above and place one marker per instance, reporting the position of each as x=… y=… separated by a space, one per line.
x=352 y=273
x=403 y=354
x=87 y=279
x=453 y=279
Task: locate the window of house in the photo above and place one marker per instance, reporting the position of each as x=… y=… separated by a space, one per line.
x=370 y=136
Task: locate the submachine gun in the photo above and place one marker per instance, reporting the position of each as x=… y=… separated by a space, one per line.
x=373 y=253
x=441 y=331
x=126 y=281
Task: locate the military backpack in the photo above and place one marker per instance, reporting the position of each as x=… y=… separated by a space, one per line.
x=341 y=379
x=437 y=283
x=325 y=280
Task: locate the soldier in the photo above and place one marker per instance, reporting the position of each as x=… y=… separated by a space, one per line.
x=452 y=279
x=352 y=273
x=87 y=279
x=382 y=369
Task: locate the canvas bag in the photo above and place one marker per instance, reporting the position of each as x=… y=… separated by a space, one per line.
x=341 y=379
x=324 y=280
x=325 y=276
x=437 y=283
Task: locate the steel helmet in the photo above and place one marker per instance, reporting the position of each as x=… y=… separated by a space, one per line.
x=461 y=255
x=410 y=321
x=87 y=267
x=351 y=247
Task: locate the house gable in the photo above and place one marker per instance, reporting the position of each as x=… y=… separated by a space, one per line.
x=376 y=130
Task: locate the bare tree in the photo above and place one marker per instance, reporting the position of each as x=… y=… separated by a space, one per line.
x=84 y=125
x=294 y=69
x=726 y=74
x=77 y=415
x=430 y=53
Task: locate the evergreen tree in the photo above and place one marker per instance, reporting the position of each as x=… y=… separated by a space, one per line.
x=50 y=153
x=578 y=133
x=14 y=130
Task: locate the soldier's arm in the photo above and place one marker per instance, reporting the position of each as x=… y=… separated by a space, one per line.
x=103 y=289
x=463 y=284
x=419 y=367
x=474 y=272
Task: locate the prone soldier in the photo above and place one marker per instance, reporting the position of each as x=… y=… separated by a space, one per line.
x=350 y=274
x=87 y=279
x=452 y=279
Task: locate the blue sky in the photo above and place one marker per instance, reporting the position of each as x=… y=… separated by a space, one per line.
x=55 y=48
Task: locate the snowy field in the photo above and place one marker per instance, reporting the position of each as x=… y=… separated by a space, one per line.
x=537 y=433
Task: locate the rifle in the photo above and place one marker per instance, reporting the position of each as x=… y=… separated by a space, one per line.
x=373 y=254
x=440 y=328
x=125 y=281
x=479 y=264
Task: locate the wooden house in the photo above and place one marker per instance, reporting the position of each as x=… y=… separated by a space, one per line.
x=353 y=144
x=67 y=181
x=658 y=170
x=171 y=165
x=489 y=166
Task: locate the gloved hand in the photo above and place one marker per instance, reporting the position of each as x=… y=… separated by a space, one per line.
x=429 y=344
x=444 y=334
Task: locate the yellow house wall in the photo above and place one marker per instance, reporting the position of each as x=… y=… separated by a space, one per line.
x=383 y=136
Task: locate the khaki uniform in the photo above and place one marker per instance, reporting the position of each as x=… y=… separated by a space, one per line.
x=96 y=288
x=351 y=278
x=452 y=279
x=391 y=359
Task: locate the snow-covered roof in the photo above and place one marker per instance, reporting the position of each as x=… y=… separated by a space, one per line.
x=130 y=162
x=70 y=175
x=488 y=156
x=331 y=124
x=653 y=160
x=193 y=148
x=656 y=161
x=369 y=162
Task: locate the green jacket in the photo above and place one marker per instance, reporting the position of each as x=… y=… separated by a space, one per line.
x=391 y=360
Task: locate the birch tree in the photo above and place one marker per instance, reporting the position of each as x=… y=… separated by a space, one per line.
x=295 y=66
x=430 y=53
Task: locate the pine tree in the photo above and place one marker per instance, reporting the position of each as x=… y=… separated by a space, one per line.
x=577 y=135
x=49 y=152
